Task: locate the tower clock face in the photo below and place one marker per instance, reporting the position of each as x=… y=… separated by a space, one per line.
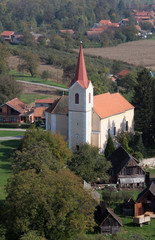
x=77 y=136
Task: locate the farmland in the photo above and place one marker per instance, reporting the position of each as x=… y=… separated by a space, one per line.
x=136 y=52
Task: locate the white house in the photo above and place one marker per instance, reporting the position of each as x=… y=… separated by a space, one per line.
x=82 y=117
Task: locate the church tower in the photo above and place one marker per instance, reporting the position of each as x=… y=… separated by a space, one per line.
x=80 y=106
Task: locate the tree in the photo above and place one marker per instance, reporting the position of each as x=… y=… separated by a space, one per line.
x=143 y=102
x=89 y=164
x=30 y=62
x=9 y=88
x=37 y=156
x=28 y=39
x=55 y=206
x=4 y=50
x=31 y=235
x=128 y=81
x=109 y=147
x=58 y=146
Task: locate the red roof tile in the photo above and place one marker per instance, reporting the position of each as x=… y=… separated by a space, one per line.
x=17 y=105
x=40 y=112
x=123 y=72
x=81 y=73
x=70 y=31
x=106 y=104
x=105 y=22
x=7 y=33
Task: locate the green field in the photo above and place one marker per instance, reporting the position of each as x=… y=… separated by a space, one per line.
x=27 y=77
x=9 y=133
x=29 y=98
x=6 y=148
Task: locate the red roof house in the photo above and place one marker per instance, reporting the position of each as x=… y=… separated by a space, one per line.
x=7 y=35
x=14 y=111
x=123 y=72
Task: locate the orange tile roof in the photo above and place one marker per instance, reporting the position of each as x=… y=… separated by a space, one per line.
x=7 y=33
x=123 y=72
x=40 y=112
x=67 y=31
x=17 y=105
x=105 y=22
x=47 y=100
x=81 y=73
x=106 y=104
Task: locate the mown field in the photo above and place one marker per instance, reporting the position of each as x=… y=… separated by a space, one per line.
x=137 y=52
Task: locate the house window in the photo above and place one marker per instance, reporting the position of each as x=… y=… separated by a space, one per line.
x=127 y=126
x=114 y=131
x=89 y=97
x=76 y=98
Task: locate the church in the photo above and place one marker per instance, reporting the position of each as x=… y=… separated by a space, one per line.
x=84 y=118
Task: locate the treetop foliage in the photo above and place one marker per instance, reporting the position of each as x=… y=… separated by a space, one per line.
x=55 y=205
x=89 y=164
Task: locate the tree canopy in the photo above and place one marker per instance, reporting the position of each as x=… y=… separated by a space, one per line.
x=89 y=164
x=143 y=102
x=56 y=146
x=9 y=88
x=55 y=205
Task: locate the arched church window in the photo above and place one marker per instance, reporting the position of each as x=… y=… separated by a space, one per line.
x=89 y=97
x=76 y=98
x=127 y=126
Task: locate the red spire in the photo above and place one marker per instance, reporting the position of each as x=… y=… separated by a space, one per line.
x=81 y=73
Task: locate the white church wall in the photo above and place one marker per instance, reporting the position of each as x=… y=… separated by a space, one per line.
x=48 y=121
x=118 y=122
x=62 y=125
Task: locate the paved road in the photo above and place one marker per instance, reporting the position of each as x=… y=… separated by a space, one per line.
x=44 y=85
x=11 y=138
x=13 y=129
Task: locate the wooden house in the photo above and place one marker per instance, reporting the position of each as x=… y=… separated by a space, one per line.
x=108 y=221
x=128 y=207
x=125 y=171
x=15 y=111
x=146 y=201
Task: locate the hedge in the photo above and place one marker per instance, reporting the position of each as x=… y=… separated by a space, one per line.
x=14 y=125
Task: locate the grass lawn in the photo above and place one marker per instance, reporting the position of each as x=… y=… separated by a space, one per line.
x=11 y=133
x=6 y=148
x=152 y=172
x=27 y=77
x=29 y=98
x=129 y=229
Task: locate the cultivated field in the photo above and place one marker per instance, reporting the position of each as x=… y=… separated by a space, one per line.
x=137 y=52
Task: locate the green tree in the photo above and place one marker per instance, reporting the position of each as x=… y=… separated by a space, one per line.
x=28 y=39
x=4 y=50
x=89 y=164
x=53 y=205
x=109 y=147
x=128 y=81
x=143 y=102
x=31 y=235
x=37 y=156
x=58 y=146
x=9 y=88
x=30 y=62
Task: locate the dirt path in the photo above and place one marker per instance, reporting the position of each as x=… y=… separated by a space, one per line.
x=28 y=88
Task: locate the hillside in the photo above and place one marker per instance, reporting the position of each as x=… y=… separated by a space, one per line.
x=137 y=53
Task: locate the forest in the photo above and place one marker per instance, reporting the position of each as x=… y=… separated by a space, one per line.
x=49 y=16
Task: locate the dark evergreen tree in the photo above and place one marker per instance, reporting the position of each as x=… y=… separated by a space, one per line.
x=143 y=102
x=109 y=147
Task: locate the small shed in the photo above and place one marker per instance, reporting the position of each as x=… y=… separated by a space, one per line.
x=146 y=200
x=111 y=223
x=128 y=207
